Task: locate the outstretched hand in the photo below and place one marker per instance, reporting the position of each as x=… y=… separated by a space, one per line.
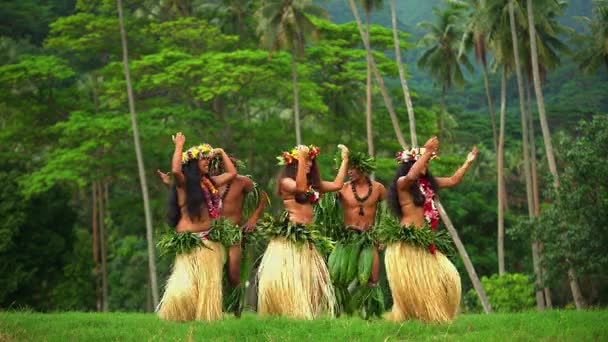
x=472 y=155
x=179 y=139
x=432 y=144
x=344 y=151
x=165 y=177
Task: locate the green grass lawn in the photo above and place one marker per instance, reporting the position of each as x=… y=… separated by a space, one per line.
x=531 y=326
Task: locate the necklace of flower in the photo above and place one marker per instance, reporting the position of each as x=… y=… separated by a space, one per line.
x=431 y=214
x=312 y=194
x=214 y=202
x=359 y=199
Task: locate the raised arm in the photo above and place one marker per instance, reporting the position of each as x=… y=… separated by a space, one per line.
x=447 y=182
x=176 y=163
x=230 y=173
x=338 y=182
x=415 y=172
x=301 y=181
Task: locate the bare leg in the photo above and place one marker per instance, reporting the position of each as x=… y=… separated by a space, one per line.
x=234 y=265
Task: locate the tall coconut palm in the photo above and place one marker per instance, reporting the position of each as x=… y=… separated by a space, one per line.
x=387 y=100
x=284 y=24
x=524 y=124
x=441 y=57
x=595 y=46
x=140 y=159
x=574 y=286
x=406 y=91
x=476 y=36
x=369 y=6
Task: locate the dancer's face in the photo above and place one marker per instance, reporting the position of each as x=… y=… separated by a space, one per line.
x=203 y=165
x=355 y=174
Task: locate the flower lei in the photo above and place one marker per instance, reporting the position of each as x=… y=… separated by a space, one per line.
x=291 y=157
x=214 y=202
x=431 y=214
x=196 y=152
x=413 y=155
x=312 y=195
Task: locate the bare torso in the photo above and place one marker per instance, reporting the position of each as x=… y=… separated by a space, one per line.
x=188 y=224
x=412 y=215
x=298 y=212
x=352 y=207
x=232 y=202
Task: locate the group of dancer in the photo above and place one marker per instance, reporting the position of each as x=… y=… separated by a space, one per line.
x=295 y=278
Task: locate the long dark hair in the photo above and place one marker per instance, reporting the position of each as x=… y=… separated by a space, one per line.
x=393 y=196
x=195 y=197
x=313 y=178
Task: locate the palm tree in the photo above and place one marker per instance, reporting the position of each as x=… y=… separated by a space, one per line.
x=574 y=287
x=441 y=57
x=140 y=160
x=475 y=36
x=406 y=91
x=285 y=24
x=595 y=51
x=524 y=123
x=368 y=7
x=387 y=100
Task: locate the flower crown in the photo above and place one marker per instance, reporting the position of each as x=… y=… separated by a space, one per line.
x=413 y=155
x=197 y=152
x=288 y=158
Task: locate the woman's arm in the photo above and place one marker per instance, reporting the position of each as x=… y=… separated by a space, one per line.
x=447 y=182
x=415 y=172
x=176 y=163
x=338 y=182
x=230 y=173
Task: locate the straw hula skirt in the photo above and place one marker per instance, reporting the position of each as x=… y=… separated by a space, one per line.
x=424 y=286
x=194 y=289
x=293 y=279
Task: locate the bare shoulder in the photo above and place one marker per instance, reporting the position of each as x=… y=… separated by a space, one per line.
x=244 y=182
x=378 y=185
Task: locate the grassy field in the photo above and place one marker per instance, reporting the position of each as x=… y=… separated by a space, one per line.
x=531 y=326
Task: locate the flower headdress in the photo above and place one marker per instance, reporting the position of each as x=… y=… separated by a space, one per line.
x=288 y=158
x=413 y=155
x=197 y=152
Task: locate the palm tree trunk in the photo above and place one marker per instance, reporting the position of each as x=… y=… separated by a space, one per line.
x=442 y=114
x=574 y=286
x=536 y=259
x=95 y=247
x=465 y=259
x=500 y=178
x=486 y=82
x=406 y=91
x=526 y=153
x=368 y=107
x=102 y=238
x=387 y=100
x=140 y=160
x=296 y=100
x=543 y=271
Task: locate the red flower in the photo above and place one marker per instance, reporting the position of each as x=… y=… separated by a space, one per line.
x=432 y=248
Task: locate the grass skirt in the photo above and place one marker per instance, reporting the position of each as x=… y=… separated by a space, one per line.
x=194 y=289
x=293 y=281
x=423 y=286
